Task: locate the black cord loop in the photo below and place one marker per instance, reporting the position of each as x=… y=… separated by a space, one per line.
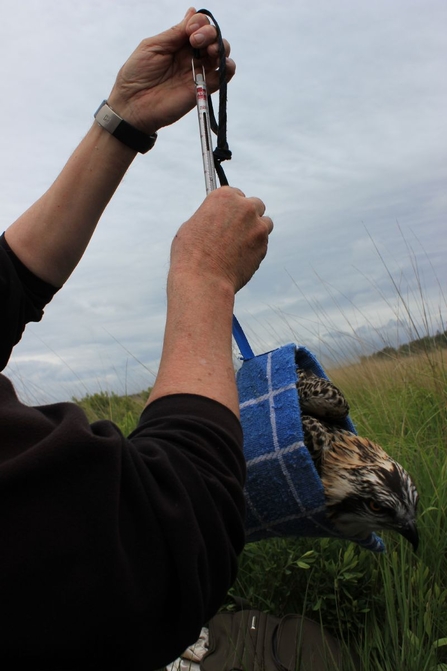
x=222 y=151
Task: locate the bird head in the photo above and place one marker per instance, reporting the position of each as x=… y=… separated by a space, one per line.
x=367 y=490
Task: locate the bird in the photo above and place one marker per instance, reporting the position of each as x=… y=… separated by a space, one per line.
x=365 y=489
x=320 y=397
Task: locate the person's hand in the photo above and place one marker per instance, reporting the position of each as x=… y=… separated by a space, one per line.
x=224 y=241
x=155 y=86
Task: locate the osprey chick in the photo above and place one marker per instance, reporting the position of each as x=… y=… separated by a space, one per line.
x=365 y=488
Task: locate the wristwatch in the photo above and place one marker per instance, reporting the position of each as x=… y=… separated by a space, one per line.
x=122 y=130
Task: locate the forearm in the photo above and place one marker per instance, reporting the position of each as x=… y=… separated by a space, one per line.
x=197 y=348
x=50 y=238
x=154 y=88
x=212 y=256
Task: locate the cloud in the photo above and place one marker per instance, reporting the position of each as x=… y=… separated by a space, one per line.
x=336 y=119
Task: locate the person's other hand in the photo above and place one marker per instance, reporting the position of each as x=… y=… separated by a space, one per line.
x=224 y=241
x=155 y=86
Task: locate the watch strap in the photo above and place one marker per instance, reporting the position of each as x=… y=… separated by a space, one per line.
x=108 y=119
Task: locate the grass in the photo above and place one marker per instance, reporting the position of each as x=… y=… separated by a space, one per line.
x=390 y=609
x=124 y=411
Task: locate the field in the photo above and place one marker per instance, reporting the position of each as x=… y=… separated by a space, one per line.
x=392 y=608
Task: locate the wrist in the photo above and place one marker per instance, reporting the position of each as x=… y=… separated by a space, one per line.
x=200 y=313
x=117 y=156
x=205 y=287
x=112 y=122
x=126 y=110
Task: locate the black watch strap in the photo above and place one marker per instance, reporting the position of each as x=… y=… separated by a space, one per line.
x=123 y=131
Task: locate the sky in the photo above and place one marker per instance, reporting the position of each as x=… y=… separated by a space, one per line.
x=337 y=120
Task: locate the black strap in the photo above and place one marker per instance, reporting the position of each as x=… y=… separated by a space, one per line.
x=222 y=151
x=134 y=138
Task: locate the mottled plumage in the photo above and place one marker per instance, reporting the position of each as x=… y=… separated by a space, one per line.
x=319 y=397
x=365 y=488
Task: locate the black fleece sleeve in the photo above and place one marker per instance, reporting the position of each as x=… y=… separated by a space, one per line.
x=115 y=551
x=23 y=297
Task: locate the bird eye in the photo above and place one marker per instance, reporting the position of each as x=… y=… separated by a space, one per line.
x=375 y=507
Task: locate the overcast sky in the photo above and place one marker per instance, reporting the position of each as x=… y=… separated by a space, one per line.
x=337 y=119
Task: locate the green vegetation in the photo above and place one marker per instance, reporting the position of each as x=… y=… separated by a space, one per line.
x=124 y=411
x=391 y=609
x=422 y=345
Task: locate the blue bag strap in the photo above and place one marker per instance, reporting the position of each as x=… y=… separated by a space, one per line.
x=241 y=341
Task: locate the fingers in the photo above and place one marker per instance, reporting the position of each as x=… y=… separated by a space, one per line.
x=259 y=206
x=226 y=238
x=202 y=35
x=235 y=189
x=213 y=54
x=269 y=223
x=260 y=210
x=231 y=69
x=213 y=49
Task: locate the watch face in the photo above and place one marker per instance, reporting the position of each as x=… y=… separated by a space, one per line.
x=104 y=102
x=107 y=118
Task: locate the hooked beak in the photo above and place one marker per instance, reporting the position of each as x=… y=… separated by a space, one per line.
x=410 y=532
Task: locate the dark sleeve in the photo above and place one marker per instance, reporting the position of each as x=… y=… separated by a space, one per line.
x=115 y=549
x=23 y=297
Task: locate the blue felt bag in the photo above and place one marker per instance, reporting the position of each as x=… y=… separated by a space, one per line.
x=283 y=492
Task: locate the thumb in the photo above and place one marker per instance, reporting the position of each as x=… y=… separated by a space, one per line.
x=175 y=37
